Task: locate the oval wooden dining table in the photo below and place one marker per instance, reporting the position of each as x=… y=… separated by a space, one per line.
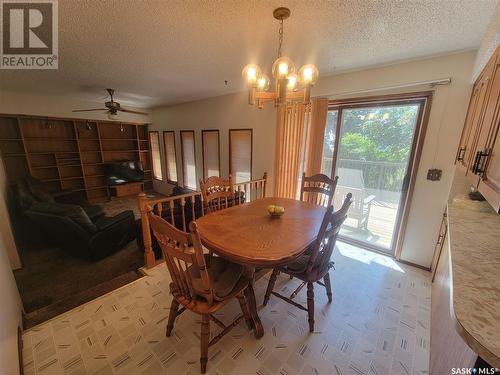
x=246 y=234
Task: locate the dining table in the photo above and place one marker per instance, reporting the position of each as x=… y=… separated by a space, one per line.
x=248 y=235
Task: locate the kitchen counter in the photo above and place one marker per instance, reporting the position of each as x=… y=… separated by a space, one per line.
x=474 y=237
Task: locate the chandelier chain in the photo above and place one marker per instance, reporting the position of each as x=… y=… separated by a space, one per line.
x=280 y=38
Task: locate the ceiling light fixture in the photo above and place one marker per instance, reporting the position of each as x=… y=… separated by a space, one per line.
x=289 y=86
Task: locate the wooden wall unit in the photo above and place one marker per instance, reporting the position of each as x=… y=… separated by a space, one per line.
x=478 y=155
x=70 y=154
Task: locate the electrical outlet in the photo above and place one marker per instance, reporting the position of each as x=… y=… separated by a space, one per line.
x=434 y=174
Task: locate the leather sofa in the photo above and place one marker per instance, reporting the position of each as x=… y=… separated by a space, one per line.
x=83 y=230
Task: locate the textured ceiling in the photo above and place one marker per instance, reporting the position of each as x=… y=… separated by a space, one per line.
x=163 y=52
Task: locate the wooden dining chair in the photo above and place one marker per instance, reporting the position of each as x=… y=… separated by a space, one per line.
x=318 y=189
x=217 y=193
x=196 y=286
x=314 y=266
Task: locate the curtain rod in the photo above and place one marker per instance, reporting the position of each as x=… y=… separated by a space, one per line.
x=432 y=83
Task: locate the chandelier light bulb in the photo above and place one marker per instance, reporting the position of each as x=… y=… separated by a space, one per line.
x=263 y=83
x=282 y=67
x=250 y=74
x=309 y=74
x=292 y=82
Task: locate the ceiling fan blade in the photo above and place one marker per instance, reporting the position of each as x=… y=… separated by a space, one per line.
x=88 y=110
x=130 y=111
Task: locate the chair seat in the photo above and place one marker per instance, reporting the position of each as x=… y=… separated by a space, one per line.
x=224 y=275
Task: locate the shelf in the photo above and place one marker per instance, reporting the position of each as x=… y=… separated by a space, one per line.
x=120 y=151
x=13 y=155
x=97 y=187
x=95 y=175
x=91 y=151
x=44 y=166
x=119 y=139
x=59 y=139
x=11 y=139
x=52 y=152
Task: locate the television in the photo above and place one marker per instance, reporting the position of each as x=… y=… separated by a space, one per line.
x=124 y=171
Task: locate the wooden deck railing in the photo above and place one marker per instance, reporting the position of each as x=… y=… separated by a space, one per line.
x=180 y=210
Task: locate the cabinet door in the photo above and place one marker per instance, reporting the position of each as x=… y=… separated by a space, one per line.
x=489 y=184
x=464 y=152
x=480 y=128
x=486 y=132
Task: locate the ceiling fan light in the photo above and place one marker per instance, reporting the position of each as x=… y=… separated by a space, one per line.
x=113 y=116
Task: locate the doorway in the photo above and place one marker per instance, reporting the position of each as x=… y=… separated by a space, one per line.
x=373 y=146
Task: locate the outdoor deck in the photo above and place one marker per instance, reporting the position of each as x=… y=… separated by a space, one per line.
x=381 y=224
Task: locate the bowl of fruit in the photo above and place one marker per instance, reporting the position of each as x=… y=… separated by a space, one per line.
x=275 y=211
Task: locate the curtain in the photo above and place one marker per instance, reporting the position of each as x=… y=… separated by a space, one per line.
x=300 y=131
x=290 y=125
x=315 y=137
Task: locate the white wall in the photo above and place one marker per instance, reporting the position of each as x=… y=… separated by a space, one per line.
x=490 y=42
x=446 y=120
x=223 y=113
x=10 y=316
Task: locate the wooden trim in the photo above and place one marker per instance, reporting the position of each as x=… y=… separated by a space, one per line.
x=159 y=151
x=20 y=347
x=203 y=149
x=424 y=100
x=338 y=128
x=356 y=101
x=39 y=117
x=414 y=265
x=166 y=159
x=251 y=151
x=415 y=156
x=184 y=175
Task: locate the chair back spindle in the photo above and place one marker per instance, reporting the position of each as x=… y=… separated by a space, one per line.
x=181 y=257
x=318 y=189
x=217 y=193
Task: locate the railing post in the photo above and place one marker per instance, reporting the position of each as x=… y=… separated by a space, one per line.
x=264 y=185
x=149 y=256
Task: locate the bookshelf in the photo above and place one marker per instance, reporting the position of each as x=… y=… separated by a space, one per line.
x=71 y=154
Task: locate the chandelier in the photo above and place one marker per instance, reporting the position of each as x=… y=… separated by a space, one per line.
x=290 y=86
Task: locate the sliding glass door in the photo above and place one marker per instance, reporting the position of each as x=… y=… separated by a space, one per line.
x=371 y=147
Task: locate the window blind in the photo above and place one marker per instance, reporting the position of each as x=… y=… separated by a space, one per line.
x=188 y=159
x=154 y=140
x=240 y=154
x=170 y=155
x=211 y=165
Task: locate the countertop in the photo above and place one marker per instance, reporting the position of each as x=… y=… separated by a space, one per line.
x=474 y=235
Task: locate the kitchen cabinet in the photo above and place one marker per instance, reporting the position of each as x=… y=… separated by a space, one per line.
x=478 y=155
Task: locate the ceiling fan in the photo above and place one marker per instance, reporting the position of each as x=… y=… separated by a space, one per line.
x=112 y=107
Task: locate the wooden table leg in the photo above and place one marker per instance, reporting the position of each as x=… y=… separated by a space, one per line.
x=252 y=304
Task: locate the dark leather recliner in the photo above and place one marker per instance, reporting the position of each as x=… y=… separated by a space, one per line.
x=93 y=241
x=82 y=229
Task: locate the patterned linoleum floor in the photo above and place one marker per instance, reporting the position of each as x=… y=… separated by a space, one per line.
x=378 y=323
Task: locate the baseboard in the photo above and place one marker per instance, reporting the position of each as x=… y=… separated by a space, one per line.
x=428 y=269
